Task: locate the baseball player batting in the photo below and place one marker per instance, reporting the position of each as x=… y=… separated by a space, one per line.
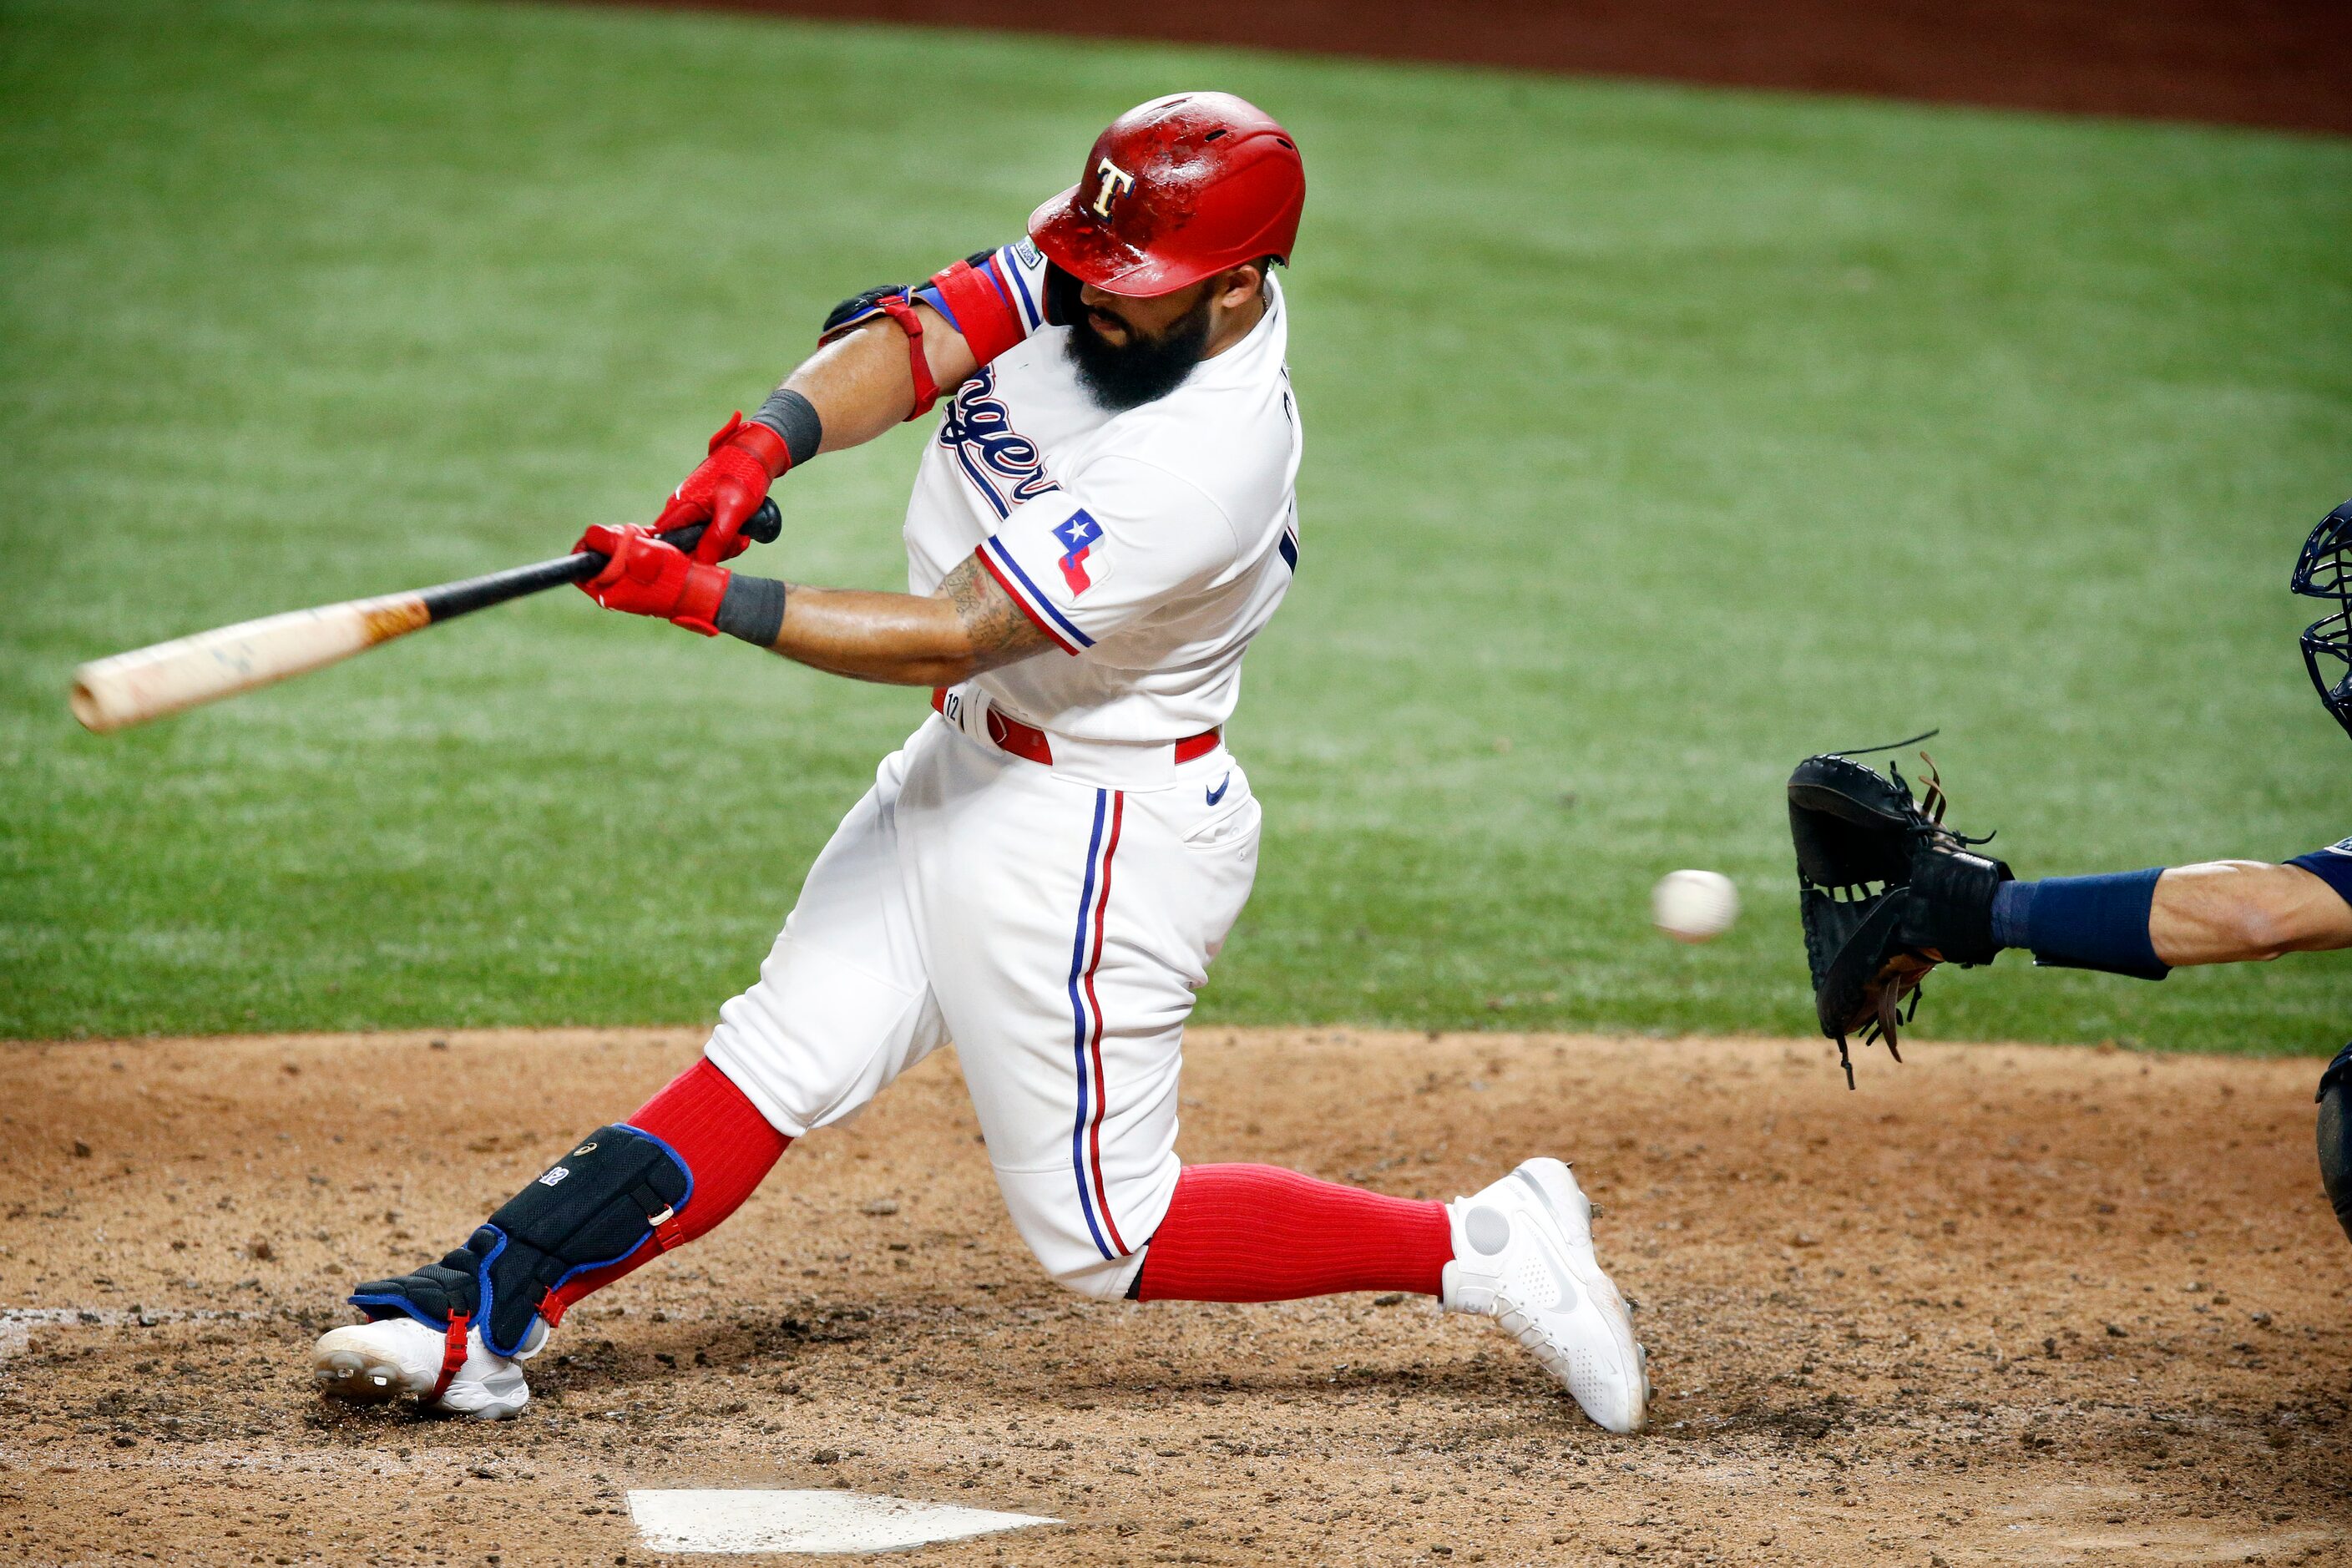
x=1889 y=892
x=1044 y=871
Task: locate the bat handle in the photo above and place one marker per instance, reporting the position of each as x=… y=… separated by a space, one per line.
x=765 y=526
x=447 y=601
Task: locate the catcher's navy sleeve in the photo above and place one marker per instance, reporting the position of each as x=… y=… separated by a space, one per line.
x=2332 y=865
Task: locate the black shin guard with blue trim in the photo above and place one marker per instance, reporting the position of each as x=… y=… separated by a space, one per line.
x=2336 y=1137
x=618 y=1191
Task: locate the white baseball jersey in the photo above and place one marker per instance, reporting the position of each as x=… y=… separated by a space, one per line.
x=1150 y=545
x=1053 y=918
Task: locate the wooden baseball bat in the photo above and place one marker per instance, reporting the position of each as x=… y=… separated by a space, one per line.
x=172 y=676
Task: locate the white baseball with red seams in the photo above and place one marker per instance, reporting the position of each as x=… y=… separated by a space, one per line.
x=1693 y=906
x=1054 y=921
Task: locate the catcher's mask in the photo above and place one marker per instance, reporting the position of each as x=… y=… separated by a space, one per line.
x=2325 y=571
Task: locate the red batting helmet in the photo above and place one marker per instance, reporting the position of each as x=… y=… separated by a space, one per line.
x=1176 y=189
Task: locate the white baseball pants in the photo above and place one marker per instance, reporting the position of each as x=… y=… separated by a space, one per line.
x=1055 y=928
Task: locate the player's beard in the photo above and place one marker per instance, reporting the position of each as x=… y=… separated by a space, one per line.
x=1119 y=376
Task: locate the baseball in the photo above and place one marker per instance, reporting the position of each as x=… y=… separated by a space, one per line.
x=1693 y=906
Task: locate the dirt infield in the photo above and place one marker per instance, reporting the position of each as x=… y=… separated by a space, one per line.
x=2249 y=62
x=2004 y=1304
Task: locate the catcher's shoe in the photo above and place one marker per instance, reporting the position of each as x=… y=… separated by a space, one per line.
x=1523 y=1253
x=369 y=1364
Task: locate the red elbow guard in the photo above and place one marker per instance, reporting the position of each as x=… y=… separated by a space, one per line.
x=982 y=309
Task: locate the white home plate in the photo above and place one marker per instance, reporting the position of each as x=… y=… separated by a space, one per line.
x=712 y=1521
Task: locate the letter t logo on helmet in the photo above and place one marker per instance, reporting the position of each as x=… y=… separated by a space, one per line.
x=1116 y=182
x=1174 y=191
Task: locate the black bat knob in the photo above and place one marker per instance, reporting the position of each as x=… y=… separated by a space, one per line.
x=765 y=526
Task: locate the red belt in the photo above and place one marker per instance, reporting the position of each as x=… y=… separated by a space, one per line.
x=1028 y=741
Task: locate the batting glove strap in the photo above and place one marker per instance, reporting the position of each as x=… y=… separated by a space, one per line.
x=698 y=600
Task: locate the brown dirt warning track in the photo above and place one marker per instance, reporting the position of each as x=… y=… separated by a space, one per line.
x=2282 y=63
x=2004 y=1304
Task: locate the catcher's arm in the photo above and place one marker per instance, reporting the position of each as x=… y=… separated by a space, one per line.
x=2245 y=912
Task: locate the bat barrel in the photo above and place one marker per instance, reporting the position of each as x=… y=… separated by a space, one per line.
x=173 y=677
x=169 y=678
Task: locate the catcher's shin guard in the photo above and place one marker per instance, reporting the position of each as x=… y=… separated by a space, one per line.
x=2336 y=1137
x=620 y=1190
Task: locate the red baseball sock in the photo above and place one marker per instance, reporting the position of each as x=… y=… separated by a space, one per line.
x=1256 y=1233
x=723 y=1140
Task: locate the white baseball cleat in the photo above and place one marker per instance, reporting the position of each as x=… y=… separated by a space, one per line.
x=1523 y=1253
x=368 y=1363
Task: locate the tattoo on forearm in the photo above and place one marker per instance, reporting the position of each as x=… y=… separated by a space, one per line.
x=995 y=626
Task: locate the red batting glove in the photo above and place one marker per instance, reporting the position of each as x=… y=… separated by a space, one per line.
x=648 y=577
x=727 y=487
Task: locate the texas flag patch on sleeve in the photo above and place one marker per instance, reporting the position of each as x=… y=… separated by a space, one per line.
x=1082 y=568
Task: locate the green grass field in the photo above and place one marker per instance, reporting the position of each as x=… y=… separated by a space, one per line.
x=1657 y=437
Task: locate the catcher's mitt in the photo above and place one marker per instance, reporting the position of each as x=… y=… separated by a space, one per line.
x=1887 y=892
